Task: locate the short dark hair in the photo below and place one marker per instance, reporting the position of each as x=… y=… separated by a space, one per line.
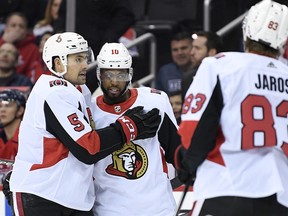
x=214 y=41
x=181 y=36
x=173 y=93
x=20 y=14
x=261 y=48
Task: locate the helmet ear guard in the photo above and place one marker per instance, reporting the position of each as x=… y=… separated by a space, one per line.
x=63 y=44
x=267 y=23
x=91 y=57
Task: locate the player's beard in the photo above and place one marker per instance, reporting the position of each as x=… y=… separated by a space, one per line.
x=117 y=99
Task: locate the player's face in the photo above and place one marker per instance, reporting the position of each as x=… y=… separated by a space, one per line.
x=77 y=68
x=8 y=111
x=180 y=51
x=199 y=50
x=114 y=82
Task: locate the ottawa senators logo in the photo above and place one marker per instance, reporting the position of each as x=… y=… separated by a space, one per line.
x=57 y=83
x=130 y=162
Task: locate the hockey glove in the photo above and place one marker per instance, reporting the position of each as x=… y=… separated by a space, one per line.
x=6 y=187
x=183 y=173
x=135 y=124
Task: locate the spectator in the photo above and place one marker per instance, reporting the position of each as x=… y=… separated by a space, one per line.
x=52 y=22
x=8 y=63
x=12 y=106
x=234 y=124
x=175 y=99
x=16 y=32
x=204 y=44
x=133 y=178
x=58 y=143
x=170 y=76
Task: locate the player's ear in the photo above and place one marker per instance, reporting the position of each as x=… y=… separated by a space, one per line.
x=58 y=64
x=212 y=52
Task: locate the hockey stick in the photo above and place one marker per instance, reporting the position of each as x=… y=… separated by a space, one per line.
x=182 y=199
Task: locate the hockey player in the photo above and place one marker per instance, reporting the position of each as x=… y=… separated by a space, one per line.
x=58 y=146
x=132 y=180
x=234 y=123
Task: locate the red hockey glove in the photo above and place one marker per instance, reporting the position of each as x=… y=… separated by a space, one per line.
x=183 y=173
x=135 y=124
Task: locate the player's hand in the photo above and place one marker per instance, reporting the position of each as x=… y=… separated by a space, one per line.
x=135 y=124
x=6 y=187
x=184 y=175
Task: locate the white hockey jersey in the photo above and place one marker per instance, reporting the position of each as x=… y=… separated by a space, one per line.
x=133 y=180
x=234 y=125
x=54 y=135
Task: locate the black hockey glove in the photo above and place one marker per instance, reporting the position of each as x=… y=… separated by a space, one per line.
x=183 y=173
x=6 y=187
x=135 y=124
